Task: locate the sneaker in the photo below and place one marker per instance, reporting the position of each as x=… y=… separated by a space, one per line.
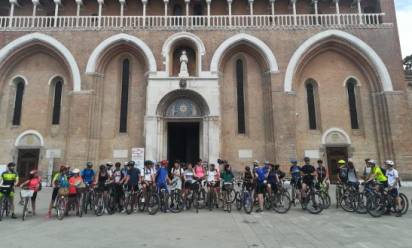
x=13 y=216
x=259 y=210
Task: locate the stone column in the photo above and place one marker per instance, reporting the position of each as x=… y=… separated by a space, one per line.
x=187 y=12
x=100 y=2
x=122 y=3
x=337 y=11
x=208 y=2
x=13 y=4
x=166 y=2
x=315 y=3
x=151 y=137
x=35 y=4
x=272 y=6
x=144 y=2
x=214 y=138
x=79 y=3
x=251 y=11
x=56 y=11
x=294 y=12
x=360 y=11
x=229 y=5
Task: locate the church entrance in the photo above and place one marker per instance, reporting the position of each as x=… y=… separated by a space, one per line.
x=334 y=154
x=183 y=141
x=28 y=160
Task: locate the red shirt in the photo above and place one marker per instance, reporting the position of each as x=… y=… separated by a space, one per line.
x=34 y=184
x=74 y=181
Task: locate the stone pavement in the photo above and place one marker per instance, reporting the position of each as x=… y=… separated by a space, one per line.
x=332 y=228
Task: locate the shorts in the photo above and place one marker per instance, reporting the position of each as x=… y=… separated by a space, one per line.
x=134 y=188
x=274 y=187
x=308 y=181
x=394 y=192
x=296 y=182
x=9 y=193
x=55 y=193
x=248 y=186
x=34 y=196
x=102 y=187
x=188 y=185
x=260 y=188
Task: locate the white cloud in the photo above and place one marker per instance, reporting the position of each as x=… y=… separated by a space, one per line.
x=404 y=17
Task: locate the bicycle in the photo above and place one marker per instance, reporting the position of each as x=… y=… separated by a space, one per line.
x=87 y=201
x=280 y=200
x=227 y=190
x=150 y=200
x=313 y=201
x=382 y=201
x=26 y=195
x=131 y=196
x=5 y=203
x=324 y=192
x=349 y=197
x=244 y=198
x=295 y=191
x=176 y=201
x=61 y=203
x=211 y=195
x=164 y=199
x=338 y=193
x=198 y=195
x=102 y=201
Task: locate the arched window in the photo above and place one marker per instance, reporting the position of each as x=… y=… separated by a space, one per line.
x=351 y=87
x=18 y=101
x=124 y=101
x=311 y=102
x=241 y=125
x=57 y=100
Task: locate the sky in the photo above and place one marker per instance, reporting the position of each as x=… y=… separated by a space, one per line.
x=404 y=17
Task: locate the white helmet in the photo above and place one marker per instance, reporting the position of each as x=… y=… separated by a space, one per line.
x=75 y=171
x=389 y=162
x=371 y=161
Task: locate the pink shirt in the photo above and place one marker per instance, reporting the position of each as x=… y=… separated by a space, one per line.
x=34 y=183
x=199 y=171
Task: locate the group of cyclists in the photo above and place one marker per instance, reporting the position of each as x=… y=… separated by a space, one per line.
x=260 y=180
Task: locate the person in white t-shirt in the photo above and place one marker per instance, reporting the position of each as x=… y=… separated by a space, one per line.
x=393 y=182
x=178 y=174
x=212 y=180
x=148 y=174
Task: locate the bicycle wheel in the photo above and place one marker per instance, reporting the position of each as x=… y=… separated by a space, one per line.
x=360 y=203
x=228 y=202
x=232 y=195
x=314 y=203
x=293 y=195
x=84 y=203
x=404 y=204
x=210 y=200
x=1 y=208
x=267 y=201
x=177 y=200
x=376 y=205
x=281 y=203
x=61 y=207
x=238 y=201
x=25 y=205
x=153 y=204
x=338 y=195
x=130 y=203
x=99 y=206
x=346 y=202
x=325 y=196
x=247 y=202
x=111 y=208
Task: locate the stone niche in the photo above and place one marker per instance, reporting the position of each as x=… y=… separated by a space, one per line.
x=336 y=138
x=29 y=140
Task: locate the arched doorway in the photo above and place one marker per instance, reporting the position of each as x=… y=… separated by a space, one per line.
x=183 y=118
x=337 y=146
x=182 y=124
x=28 y=147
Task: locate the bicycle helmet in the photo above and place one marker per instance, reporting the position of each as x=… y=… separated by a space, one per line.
x=89 y=164
x=371 y=161
x=389 y=162
x=306 y=159
x=76 y=171
x=131 y=163
x=341 y=162
x=147 y=162
x=164 y=162
x=293 y=161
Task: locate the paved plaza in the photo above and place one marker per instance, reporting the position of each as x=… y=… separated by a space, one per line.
x=332 y=228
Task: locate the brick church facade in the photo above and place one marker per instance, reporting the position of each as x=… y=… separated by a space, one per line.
x=89 y=80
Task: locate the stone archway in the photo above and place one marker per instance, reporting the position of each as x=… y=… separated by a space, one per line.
x=188 y=113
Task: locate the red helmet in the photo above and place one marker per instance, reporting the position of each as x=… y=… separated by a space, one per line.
x=164 y=162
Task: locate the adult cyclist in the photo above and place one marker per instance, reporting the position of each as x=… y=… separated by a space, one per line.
x=9 y=179
x=88 y=174
x=308 y=176
x=261 y=175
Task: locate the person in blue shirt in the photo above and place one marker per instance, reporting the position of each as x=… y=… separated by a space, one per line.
x=162 y=176
x=295 y=174
x=261 y=175
x=88 y=174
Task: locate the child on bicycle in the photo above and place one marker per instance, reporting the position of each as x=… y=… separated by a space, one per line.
x=247 y=178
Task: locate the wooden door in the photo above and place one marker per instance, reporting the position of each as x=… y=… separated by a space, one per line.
x=28 y=160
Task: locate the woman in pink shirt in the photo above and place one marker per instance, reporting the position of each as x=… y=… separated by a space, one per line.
x=199 y=172
x=33 y=183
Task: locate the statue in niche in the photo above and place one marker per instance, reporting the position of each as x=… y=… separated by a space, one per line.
x=183 y=65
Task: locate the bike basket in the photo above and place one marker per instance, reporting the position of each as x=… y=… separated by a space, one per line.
x=26 y=193
x=63 y=191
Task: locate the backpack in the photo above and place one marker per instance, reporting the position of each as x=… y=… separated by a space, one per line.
x=343 y=174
